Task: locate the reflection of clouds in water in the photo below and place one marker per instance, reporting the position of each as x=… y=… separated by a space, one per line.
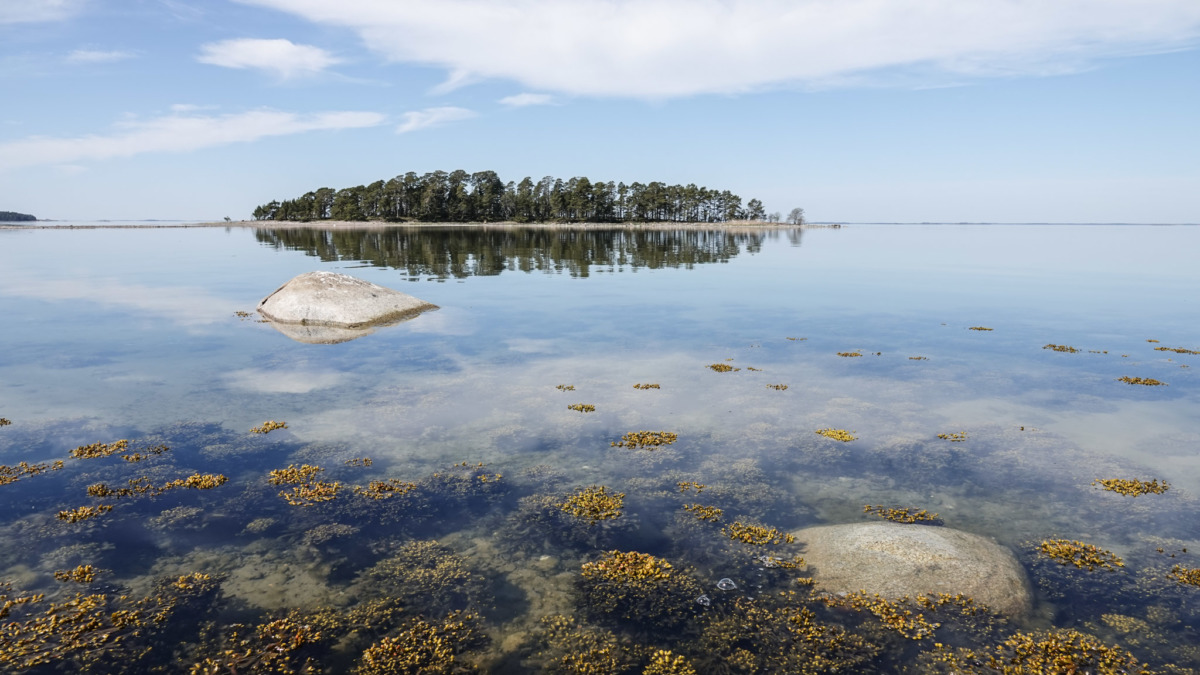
x=283 y=382
x=444 y=321
x=532 y=346
x=183 y=305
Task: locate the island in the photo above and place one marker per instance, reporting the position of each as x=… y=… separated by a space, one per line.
x=483 y=197
x=14 y=217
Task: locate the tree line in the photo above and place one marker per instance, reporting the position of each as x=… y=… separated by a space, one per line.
x=14 y=217
x=464 y=197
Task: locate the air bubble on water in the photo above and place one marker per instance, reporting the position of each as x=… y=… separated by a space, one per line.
x=703 y=599
x=726 y=584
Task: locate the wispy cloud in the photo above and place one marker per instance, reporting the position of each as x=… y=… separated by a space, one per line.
x=432 y=117
x=282 y=58
x=525 y=99
x=176 y=133
x=84 y=56
x=671 y=48
x=30 y=11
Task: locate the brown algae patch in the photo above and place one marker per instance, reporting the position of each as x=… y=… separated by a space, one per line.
x=1060 y=650
x=722 y=367
x=1144 y=381
x=359 y=461
x=709 y=514
x=4 y=421
x=142 y=486
x=268 y=426
x=308 y=494
x=582 y=407
x=83 y=513
x=850 y=355
x=918 y=358
x=686 y=485
x=797 y=339
x=565 y=387
x=646 y=386
x=838 y=434
x=904 y=515
x=1184 y=575
x=1061 y=348
x=955 y=437
x=645 y=439
x=95 y=450
x=385 y=489
x=756 y=535
x=981 y=328
x=1132 y=487
x=777 y=387
x=1177 y=350
x=594 y=504
x=893 y=614
x=82 y=574
x=12 y=474
x=1079 y=554
x=1151 y=340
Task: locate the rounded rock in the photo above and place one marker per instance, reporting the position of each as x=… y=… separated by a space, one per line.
x=895 y=560
x=338 y=300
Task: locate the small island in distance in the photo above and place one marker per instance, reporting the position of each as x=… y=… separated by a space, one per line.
x=14 y=217
x=483 y=197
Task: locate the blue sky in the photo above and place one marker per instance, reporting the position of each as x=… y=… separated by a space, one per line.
x=855 y=110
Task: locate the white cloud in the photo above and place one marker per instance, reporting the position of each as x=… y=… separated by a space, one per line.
x=29 y=11
x=431 y=117
x=283 y=381
x=521 y=100
x=284 y=58
x=97 y=56
x=176 y=133
x=669 y=48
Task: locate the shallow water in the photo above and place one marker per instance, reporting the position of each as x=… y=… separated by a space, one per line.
x=112 y=334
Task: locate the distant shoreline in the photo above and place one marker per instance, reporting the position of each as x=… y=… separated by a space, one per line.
x=382 y=225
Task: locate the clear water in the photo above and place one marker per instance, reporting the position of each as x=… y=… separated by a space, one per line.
x=110 y=334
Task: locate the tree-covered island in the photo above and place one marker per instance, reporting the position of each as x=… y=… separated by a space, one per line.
x=483 y=197
x=14 y=217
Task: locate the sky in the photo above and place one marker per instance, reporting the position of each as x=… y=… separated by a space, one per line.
x=854 y=110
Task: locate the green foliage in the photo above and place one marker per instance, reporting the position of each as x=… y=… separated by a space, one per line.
x=483 y=197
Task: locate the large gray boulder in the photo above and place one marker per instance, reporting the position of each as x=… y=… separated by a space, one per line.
x=339 y=301
x=895 y=560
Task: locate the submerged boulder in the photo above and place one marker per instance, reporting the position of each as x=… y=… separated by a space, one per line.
x=339 y=301
x=895 y=560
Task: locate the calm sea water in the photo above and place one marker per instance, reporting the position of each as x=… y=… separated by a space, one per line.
x=133 y=334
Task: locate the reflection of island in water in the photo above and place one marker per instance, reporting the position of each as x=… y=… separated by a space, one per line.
x=464 y=252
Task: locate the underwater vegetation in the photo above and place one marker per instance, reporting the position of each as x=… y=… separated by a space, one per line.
x=756 y=535
x=850 y=354
x=1132 y=487
x=4 y=421
x=637 y=589
x=12 y=474
x=646 y=386
x=358 y=461
x=777 y=387
x=83 y=513
x=151 y=451
x=594 y=504
x=956 y=437
x=1144 y=381
x=838 y=434
x=429 y=578
x=423 y=647
x=709 y=514
x=903 y=515
x=980 y=328
x=1177 y=350
x=83 y=574
x=1034 y=653
x=582 y=407
x=385 y=489
x=1184 y=575
x=686 y=485
x=1079 y=554
x=664 y=662
x=268 y=426
x=1061 y=348
x=722 y=367
x=645 y=439
x=308 y=494
x=565 y=387
x=142 y=486
x=95 y=450
x=918 y=358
